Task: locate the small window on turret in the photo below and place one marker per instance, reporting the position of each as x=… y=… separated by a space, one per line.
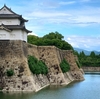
x=4 y=9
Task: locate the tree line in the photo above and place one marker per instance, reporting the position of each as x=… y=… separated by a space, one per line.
x=51 y=39
x=88 y=60
x=57 y=39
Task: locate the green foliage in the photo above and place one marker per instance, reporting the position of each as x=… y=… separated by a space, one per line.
x=37 y=66
x=78 y=64
x=10 y=72
x=64 y=65
x=89 y=60
x=32 y=39
x=1 y=88
x=51 y=39
x=53 y=35
x=92 y=54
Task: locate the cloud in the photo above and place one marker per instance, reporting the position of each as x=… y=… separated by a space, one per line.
x=32 y=34
x=84 y=42
x=83 y=17
x=39 y=12
x=44 y=14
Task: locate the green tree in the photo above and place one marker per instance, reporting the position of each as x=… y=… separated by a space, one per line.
x=92 y=54
x=82 y=54
x=51 y=39
x=32 y=39
x=53 y=35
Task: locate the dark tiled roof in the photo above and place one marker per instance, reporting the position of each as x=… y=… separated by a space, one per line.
x=8 y=9
x=2 y=16
x=10 y=16
x=16 y=27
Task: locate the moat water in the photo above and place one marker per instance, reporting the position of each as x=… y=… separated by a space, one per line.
x=87 y=89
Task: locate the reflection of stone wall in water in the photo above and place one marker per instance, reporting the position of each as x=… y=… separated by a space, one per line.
x=13 y=55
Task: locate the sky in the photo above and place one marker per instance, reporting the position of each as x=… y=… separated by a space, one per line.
x=77 y=20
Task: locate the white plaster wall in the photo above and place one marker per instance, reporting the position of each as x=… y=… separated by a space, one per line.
x=10 y=21
x=5 y=11
x=4 y=35
x=17 y=35
x=24 y=36
x=13 y=35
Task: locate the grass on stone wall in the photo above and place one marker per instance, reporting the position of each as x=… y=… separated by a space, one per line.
x=10 y=72
x=37 y=66
x=64 y=65
x=78 y=64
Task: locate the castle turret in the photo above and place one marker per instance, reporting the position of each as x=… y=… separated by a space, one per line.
x=12 y=25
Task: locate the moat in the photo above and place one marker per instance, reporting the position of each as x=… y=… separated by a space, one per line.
x=87 y=89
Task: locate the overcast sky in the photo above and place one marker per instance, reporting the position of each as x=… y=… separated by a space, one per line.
x=77 y=20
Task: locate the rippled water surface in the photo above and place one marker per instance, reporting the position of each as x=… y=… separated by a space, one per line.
x=87 y=89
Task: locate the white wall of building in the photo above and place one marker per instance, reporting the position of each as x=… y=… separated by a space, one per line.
x=24 y=35
x=14 y=35
x=10 y=21
x=4 y=35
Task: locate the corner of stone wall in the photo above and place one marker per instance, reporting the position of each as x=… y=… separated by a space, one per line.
x=74 y=70
x=52 y=56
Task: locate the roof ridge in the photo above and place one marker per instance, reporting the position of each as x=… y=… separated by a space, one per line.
x=9 y=9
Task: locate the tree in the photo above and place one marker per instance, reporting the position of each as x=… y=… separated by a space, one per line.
x=53 y=35
x=32 y=39
x=51 y=39
x=92 y=54
x=82 y=54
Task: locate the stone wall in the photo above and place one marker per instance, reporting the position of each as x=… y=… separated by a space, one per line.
x=71 y=59
x=49 y=55
x=52 y=56
x=13 y=55
x=91 y=69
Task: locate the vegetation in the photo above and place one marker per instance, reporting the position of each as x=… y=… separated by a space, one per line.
x=89 y=60
x=0 y=88
x=10 y=72
x=65 y=67
x=37 y=66
x=78 y=64
x=51 y=39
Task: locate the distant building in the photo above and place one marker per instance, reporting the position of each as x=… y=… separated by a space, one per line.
x=12 y=25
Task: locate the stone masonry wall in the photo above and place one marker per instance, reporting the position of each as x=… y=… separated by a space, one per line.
x=75 y=72
x=91 y=69
x=13 y=55
x=52 y=56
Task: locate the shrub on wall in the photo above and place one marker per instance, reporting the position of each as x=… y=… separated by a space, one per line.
x=64 y=65
x=37 y=66
x=78 y=64
x=10 y=72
